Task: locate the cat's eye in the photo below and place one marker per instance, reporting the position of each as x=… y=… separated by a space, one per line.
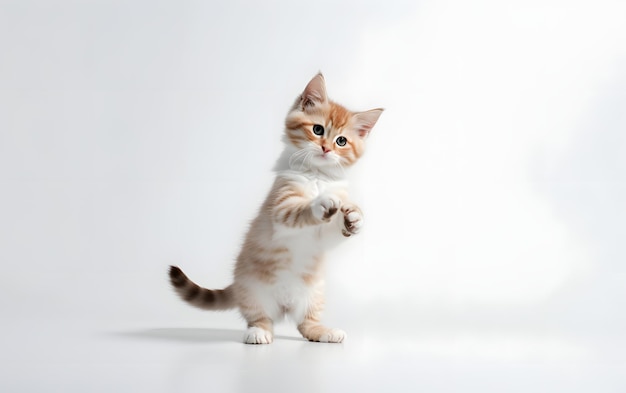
x=341 y=141
x=318 y=129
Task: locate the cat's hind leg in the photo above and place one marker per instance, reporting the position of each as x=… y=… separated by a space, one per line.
x=259 y=308
x=311 y=328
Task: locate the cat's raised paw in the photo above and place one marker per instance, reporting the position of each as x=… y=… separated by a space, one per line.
x=352 y=220
x=325 y=206
x=256 y=335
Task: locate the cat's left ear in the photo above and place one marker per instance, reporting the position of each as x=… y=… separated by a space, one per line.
x=314 y=93
x=365 y=121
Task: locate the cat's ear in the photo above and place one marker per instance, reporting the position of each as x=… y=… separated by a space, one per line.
x=314 y=93
x=365 y=121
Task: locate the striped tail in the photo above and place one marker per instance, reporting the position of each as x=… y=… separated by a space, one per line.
x=192 y=293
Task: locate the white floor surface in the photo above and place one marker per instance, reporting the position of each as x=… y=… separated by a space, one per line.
x=55 y=356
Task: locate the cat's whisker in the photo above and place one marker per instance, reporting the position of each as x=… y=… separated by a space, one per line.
x=301 y=157
x=341 y=168
x=292 y=159
x=308 y=156
x=295 y=157
x=302 y=161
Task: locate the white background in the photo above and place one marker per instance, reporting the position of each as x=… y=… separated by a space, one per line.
x=138 y=134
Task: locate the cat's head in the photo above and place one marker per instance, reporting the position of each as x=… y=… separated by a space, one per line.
x=324 y=134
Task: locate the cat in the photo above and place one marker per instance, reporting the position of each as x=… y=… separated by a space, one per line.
x=278 y=272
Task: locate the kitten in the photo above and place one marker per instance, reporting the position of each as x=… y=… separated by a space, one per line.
x=279 y=269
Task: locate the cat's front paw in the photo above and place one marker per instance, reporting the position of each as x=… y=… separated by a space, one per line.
x=352 y=220
x=325 y=206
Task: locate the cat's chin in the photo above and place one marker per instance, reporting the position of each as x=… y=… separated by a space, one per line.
x=324 y=162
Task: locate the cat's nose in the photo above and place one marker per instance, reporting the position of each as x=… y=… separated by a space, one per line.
x=325 y=149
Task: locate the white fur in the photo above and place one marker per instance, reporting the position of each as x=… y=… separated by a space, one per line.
x=289 y=295
x=256 y=335
x=356 y=220
x=308 y=161
x=333 y=336
x=323 y=204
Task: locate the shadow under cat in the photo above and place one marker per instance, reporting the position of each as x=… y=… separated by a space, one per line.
x=193 y=335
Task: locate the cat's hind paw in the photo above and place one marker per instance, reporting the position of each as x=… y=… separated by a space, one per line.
x=256 y=335
x=333 y=336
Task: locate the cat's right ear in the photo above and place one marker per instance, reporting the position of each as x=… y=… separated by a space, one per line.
x=314 y=93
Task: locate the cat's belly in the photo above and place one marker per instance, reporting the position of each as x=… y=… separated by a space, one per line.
x=306 y=242
x=297 y=279
x=292 y=294
x=288 y=294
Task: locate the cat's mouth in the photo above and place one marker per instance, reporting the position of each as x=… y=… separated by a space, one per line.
x=325 y=157
x=325 y=160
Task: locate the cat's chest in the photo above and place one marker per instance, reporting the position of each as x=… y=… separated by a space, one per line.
x=314 y=187
x=308 y=240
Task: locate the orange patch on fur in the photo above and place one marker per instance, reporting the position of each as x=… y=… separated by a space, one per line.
x=296 y=137
x=296 y=123
x=287 y=195
x=315 y=272
x=338 y=115
x=308 y=279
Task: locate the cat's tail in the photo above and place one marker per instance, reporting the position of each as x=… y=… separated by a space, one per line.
x=192 y=293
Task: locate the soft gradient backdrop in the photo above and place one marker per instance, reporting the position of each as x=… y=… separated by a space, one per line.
x=138 y=134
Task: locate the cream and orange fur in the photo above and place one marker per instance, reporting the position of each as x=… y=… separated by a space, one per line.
x=279 y=269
